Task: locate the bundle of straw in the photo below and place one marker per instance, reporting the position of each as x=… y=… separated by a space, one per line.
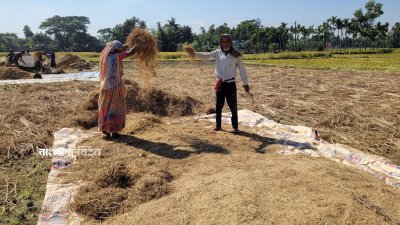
x=189 y=50
x=38 y=54
x=146 y=50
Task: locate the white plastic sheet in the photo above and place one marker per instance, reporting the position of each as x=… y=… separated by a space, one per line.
x=301 y=140
x=56 y=204
x=54 y=78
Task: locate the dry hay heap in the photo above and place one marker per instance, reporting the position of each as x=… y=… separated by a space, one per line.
x=117 y=187
x=159 y=102
x=85 y=115
x=71 y=61
x=146 y=50
x=13 y=73
x=189 y=50
x=152 y=101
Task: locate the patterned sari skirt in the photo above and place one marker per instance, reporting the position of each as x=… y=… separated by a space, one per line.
x=112 y=110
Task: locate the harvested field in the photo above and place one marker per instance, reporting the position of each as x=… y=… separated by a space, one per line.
x=220 y=173
x=29 y=115
x=37 y=110
x=169 y=168
x=359 y=109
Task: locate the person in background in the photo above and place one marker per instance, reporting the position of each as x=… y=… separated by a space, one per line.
x=17 y=57
x=227 y=61
x=52 y=55
x=28 y=53
x=9 y=57
x=112 y=112
x=38 y=58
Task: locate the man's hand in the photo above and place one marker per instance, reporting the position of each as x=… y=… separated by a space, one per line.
x=246 y=88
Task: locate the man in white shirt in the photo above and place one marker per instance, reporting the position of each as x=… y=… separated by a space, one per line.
x=227 y=61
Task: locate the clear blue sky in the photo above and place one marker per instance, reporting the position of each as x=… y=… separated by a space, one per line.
x=14 y=14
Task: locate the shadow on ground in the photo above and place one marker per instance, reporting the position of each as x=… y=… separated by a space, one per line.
x=196 y=146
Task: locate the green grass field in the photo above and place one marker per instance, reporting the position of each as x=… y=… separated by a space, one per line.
x=389 y=62
x=330 y=59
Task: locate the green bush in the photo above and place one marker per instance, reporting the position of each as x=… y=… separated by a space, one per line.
x=384 y=51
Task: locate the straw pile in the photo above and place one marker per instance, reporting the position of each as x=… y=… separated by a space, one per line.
x=138 y=124
x=70 y=61
x=159 y=102
x=116 y=175
x=85 y=115
x=99 y=203
x=117 y=187
x=111 y=183
x=154 y=185
x=152 y=101
x=146 y=50
x=13 y=73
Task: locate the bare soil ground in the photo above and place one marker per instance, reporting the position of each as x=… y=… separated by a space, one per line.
x=172 y=169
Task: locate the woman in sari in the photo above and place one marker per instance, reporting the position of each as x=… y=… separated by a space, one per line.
x=112 y=112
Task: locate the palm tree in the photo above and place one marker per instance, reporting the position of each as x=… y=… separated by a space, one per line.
x=295 y=30
x=346 y=25
x=354 y=29
x=323 y=32
x=339 y=27
x=283 y=36
x=306 y=32
x=332 y=21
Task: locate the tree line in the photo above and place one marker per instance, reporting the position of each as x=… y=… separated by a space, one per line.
x=69 y=33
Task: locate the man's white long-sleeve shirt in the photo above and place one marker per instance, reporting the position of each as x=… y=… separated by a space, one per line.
x=225 y=65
